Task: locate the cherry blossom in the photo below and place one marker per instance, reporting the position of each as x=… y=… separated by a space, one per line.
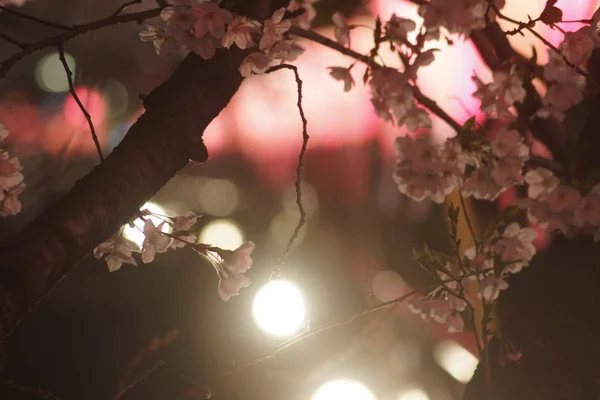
x=457 y=16
x=116 y=250
x=156 y=34
x=555 y=210
x=210 y=18
x=540 y=181
x=183 y=223
x=3 y=132
x=305 y=19
x=239 y=31
x=281 y=49
x=273 y=29
x=342 y=74
x=239 y=260
x=490 y=287
x=230 y=286
x=444 y=309
x=516 y=246
x=154 y=242
x=10 y=168
x=11 y=205
x=482 y=185
x=578 y=45
x=255 y=62
x=341 y=29
x=588 y=210
x=499 y=95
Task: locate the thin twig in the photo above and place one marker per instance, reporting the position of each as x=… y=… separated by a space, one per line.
x=35 y=19
x=309 y=334
x=468 y=219
x=77 y=30
x=298 y=182
x=125 y=6
x=13 y=41
x=63 y=60
x=43 y=393
x=421 y=98
x=139 y=379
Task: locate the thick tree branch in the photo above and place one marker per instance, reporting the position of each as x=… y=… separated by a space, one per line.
x=160 y=143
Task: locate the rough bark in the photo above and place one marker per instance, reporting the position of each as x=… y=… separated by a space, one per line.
x=160 y=143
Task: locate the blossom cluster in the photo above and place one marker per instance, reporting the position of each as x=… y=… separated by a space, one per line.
x=425 y=170
x=456 y=16
x=501 y=94
x=229 y=265
x=11 y=180
x=501 y=255
x=202 y=26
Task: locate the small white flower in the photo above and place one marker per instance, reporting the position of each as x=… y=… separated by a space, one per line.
x=343 y=75
x=516 y=246
x=154 y=242
x=183 y=223
x=281 y=49
x=240 y=260
x=305 y=19
x=341 y=30
x=117 y=250
x=481 y=185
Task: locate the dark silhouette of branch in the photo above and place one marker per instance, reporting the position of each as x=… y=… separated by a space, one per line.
x=63 y=60
x=27 y=50
x=34 y=19
x=12 y=41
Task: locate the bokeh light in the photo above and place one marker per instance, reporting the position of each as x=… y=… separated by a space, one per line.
x=223 y=233
x=343 y=389
x=278 y=308
x=50 y=74
x=136 y=233
x=219 y=197
x=456 y=360
x=413 y=394
x=282 y=226
x=387 y=285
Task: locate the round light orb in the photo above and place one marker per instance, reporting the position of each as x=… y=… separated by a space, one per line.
x=223 y=233
x=219 y=197
x=278 y=308
x=413 y=394
x=136 y=233
x=343 y=389
x=50 y=73
x=456 y=360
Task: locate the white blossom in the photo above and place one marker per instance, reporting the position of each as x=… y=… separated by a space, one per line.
x=540 y=181
x=254 y=63
x=273 y=28
x=154 y=242
x=490 y=287
x=516 y=246
x=230 y=286
x=117 y=250
x=210 y=18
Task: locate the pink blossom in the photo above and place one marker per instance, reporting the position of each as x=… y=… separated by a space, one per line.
x=578 y=45
x=239 y=31
x=210 y=18
x=154 y=242
x=240 y=260
x=509 y=143
x=255 y=62
x=281 y=49
x=3 y=132
x=230 y=286
x=507 y=171
x=156 y=34
x=588 y=210
x=273 y=29
x=184 y=223
x=541 y=181
x=490 y=287
x=117 y=250
x=397 y=28
x=482 y=185
x=10 y=168
x=10 y=201
x=516 y=246
x=305 y=19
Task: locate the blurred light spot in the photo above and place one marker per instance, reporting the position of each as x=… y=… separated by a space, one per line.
x=343 y=389
x=222 y=233
x=387 y=285
x=94 y=104
x=456 y=360
x=405 y=358
x=116 y=95
x=413 y=394
x=219 y=197
x=136 y=234
x=282 y=227
x=310 y=200
x=50 y=74
x=278 y=308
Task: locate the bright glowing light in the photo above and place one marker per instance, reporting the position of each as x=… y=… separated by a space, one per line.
x=456 y=360
x=50 y=74
x=343 y=389
x=222 y=233
x=219 y=197
x=136 y=234
x=278 y=308
x=413 y=394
